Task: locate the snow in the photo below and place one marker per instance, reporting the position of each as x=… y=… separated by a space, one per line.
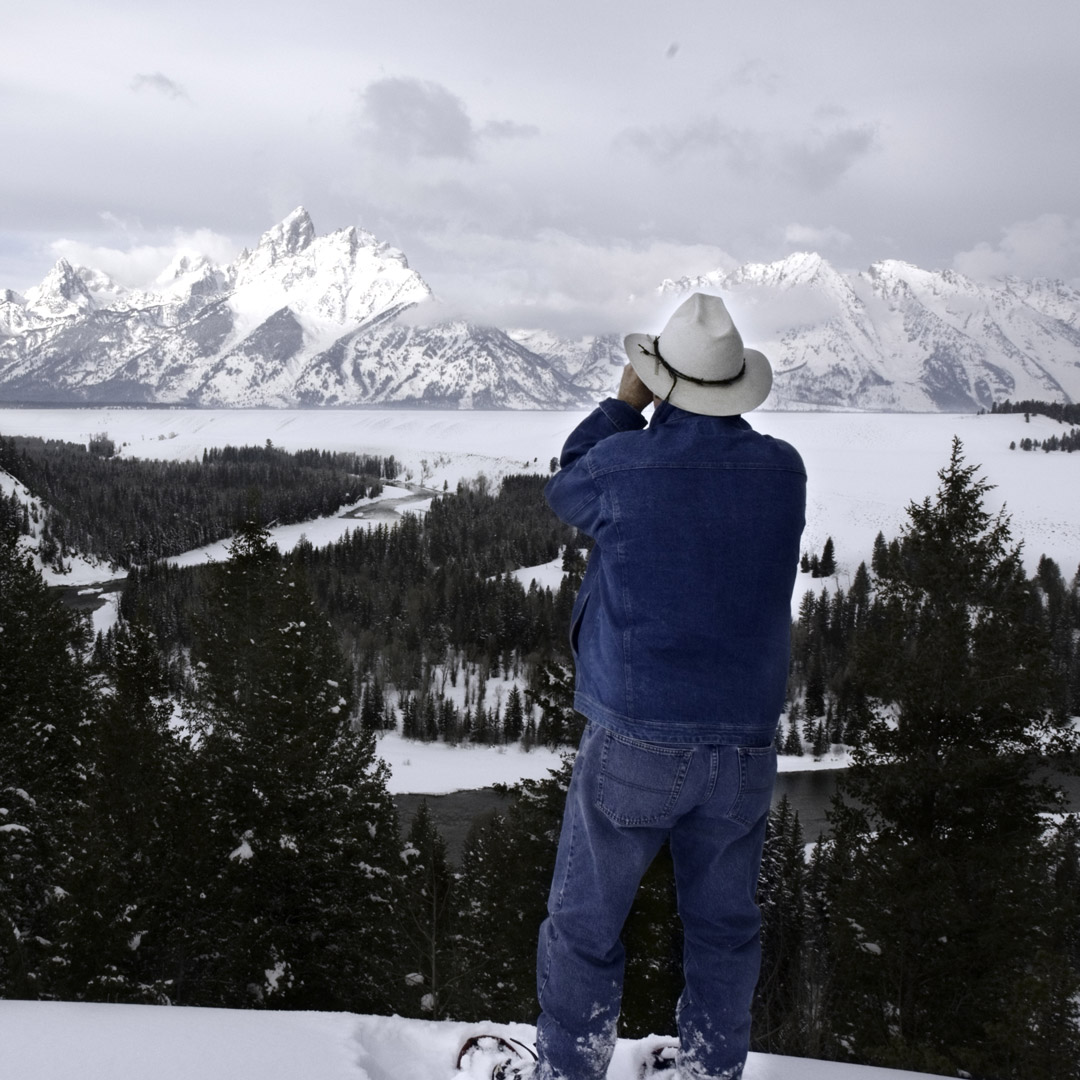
x=864 y=468
x=437 y=768
x=319 y=531
x=62 y=1041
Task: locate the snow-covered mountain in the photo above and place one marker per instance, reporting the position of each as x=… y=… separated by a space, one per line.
x=895 y=337
x=300 y=320
x=312 y=320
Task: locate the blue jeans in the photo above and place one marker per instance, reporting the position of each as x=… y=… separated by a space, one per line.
x=626 y=798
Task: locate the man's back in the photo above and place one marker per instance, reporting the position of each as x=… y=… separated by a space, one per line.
x=682 y=623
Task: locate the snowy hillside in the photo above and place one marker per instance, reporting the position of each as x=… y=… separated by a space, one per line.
x=896 y=337
x=60 y=1041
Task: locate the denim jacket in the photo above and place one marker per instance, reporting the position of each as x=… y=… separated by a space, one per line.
x=681 y=629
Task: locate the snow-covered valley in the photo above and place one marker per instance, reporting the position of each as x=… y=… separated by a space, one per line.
x=864 y=468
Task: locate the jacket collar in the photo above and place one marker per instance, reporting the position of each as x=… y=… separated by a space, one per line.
x=666 y=413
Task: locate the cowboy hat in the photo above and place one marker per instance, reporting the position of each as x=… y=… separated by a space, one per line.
x=699 y=363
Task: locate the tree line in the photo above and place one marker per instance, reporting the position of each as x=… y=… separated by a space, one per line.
x=1068 y=442
x=427 y=611
x=131 y=511
x=1065 y=412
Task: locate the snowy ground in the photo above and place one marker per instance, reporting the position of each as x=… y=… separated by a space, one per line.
x=864 y=468
x=61 y=1041
x=436 y=768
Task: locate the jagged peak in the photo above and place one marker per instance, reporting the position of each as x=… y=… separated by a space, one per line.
x=61 y=281
x=291 y=235
x=798 y=268
x=61 y=270
x=182 y=264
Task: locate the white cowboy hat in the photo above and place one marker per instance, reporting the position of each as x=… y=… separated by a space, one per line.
x=699 y=363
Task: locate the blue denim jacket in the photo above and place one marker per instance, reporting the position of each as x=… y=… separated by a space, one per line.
x=681 y=629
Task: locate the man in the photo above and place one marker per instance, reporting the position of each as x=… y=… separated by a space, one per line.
x=680 y=635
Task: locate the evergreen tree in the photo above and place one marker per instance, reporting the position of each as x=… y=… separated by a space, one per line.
x=46 y=716
x=944 y=803
x=827 y=564
x=505 y=876
x=514 y=719
x=373 y=710
x=879 y=560
x=793 y=742
x=302 y=857
x=491 y=965
x=427 y=921
x=124 y=935
x=781 y=897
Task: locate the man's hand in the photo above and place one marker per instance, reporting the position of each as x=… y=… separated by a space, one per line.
x=633 y=391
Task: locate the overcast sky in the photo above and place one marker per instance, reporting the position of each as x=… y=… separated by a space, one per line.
x=540 y=163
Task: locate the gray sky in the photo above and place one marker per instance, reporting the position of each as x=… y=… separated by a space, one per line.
x=541 y=163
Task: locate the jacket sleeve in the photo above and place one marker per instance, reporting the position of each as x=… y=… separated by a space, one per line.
x=573 y=492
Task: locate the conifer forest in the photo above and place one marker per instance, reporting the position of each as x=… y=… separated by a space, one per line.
x=192 y=810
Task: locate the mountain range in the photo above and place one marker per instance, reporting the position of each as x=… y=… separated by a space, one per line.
x=309 y=320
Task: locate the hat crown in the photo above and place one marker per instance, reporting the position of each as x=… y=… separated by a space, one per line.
x=698 y=362
x=701 y=340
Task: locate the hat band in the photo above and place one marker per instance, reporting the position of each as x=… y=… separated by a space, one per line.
x=676 y=375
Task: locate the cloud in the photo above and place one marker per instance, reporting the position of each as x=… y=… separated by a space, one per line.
x=664 y=144
x=754 y=75
x=813 y=238
x=159 y=84
x=813 y=161
x=820 y=159
x=409 y=118
x=561 y=282
x=507 y=129
x=139 y=264
x=1048 y=246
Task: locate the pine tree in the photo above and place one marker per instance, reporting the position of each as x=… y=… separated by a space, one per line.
x=653 y=939
x=46 y=715
x=514 y=719
x=302 y=856
x=124 y=934
x=782 y=900
x=827 y=563
x=505 y=876
x=427 y=921
x=944 y=803
x=793 y=742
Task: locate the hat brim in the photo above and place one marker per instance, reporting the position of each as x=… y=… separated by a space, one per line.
x=741 y=396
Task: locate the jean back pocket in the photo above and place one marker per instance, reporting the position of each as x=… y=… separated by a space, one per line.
x=639 y=782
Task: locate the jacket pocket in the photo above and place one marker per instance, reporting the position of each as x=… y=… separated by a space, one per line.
x=575 y=623
x=639 y=783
